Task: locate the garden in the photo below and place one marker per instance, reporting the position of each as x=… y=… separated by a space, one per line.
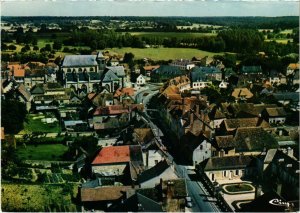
x=238 y=188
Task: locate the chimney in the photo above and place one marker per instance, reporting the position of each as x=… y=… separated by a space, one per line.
x=290 y=152
x=257 y=191
x=222 y=153
x=170 y=190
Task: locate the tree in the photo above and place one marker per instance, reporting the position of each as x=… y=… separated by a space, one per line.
x=36 y=48
x=48 y=47
x=13 y=116
x=57 y=45
x=128 y=58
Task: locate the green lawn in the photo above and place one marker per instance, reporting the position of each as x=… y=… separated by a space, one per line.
x=239 y=187
x=163 y=53
x=37 y=198
x=47 y=152
x=172 y=34
x=35 y=124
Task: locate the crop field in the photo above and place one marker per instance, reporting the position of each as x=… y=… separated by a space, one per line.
x=163 y=53
x=171 y=34
x=38 y=198
x=46 y=152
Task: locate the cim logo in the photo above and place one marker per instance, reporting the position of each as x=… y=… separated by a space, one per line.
x=278 y=202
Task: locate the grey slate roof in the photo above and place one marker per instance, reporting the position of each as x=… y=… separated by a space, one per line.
x=294 y=96
x=251 y=69
x=110 y=76
x=79 y=61
x=168 y=70
x=92 y=183
x=207 y=70
x=118 y=70
x=226 y=163
x=153 y=172
x=197 y=76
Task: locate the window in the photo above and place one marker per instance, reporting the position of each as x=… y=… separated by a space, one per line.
x=80 y=70
x=237 y=172
x=68 y=70
x=224 y=173
x=156 y=162
x=201 y=147
x=212 y=176
x=91 y=69
x=226 y=152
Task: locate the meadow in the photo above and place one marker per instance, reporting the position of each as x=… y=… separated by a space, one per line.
x=162 y=53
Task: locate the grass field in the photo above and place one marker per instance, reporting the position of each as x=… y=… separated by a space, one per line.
x=47 y=152
x=171 y=34
x=163 y=53
x=239 y=188
x=35 y=124
x=37 y=198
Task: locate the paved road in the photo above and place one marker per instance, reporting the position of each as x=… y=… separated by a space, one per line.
x=196 y=192
x=195 y=189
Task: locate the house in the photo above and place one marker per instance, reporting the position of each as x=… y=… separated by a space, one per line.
x=223 y=146
x=164 y=73
x=149 y=69
x=150 y=177
x=144 y=136
x=152 y=158
x=182 y=64
x=283 y=168
x=198 y=80
x=229 y=126
x=138 y=201
x=226 y=168
x=140 y=80
x=206 y=61
x=101 y=197
x=251 y=70
x=292 y=67
x=276 y=115
x=216 y=116
x=277 y=78
x=17 y=71
x=223 y=85
x=242 y=94
x=182 y=82
x=115 y=161
x=195 y=149
x=211 y=73
x=24 y=96
x=253 y=140
x=173 y=192
x=288 y=98
x=75 y=125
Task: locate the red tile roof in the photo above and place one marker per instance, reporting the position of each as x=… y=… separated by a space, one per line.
x=150 y=68
x=112 y=154
x=18 y=70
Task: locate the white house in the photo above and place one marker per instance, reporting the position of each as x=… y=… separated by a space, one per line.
x=202 y=152
x=223 y=85
x=152 y=158
x=141 y=80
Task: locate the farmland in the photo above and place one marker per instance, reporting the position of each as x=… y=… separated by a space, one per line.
x=38 y=198
x=163 y=53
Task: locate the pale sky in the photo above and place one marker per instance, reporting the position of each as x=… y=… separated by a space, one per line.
x=150 y=8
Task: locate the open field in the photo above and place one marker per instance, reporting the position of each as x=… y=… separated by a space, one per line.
x=47 y=152
x=35 y=124
x=163 y=53
x=37 y=198
x=172 y=34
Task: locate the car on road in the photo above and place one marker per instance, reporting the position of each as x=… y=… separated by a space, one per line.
x=188 y=202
